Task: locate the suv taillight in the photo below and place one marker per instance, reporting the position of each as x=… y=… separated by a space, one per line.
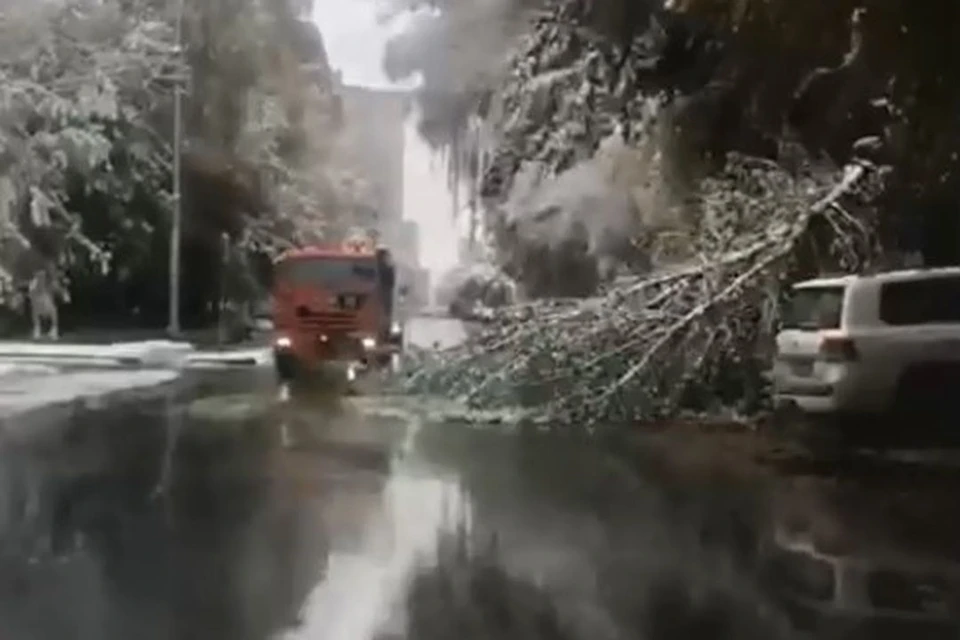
x=838 y=349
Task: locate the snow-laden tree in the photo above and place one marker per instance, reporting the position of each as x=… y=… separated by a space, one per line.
x=714 y=235
x=79 y=83
x=737 y=76
x=527 y=87
x=86 y=128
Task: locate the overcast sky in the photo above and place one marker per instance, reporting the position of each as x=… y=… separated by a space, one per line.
x=355 y=40
x=355 y=43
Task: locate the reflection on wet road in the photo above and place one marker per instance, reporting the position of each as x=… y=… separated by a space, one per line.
x=219 y=511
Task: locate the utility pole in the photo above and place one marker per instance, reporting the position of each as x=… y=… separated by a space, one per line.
x=173 y=327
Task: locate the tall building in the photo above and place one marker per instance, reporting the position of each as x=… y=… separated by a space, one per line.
x=374 y=128
x=374 y=125
x=407 y=242
x=411 y=275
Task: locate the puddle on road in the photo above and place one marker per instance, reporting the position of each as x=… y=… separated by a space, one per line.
x=297 y=531
x=364 y=591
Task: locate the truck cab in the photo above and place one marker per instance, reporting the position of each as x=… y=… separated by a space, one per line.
x=334 y=305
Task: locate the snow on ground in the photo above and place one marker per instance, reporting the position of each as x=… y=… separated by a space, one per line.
x=21 y=395
x=24 y=369
x=41 y=384
x=156 y=354
x=150 y=353
x=73 y=361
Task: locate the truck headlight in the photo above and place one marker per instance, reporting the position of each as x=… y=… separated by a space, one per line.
x=395 y=328
x=368 y=343
x=283 y=342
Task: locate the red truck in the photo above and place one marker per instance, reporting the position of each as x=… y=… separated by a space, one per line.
x=334 y=305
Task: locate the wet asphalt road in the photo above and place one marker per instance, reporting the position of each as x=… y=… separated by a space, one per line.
x=220 y=510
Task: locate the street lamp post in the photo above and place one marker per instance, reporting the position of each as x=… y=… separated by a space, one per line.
x=222 y=301
x=173 y=327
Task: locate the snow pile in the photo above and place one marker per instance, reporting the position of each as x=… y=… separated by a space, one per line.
x=151 y=353
x=154 y=353
x=677 y=338
x=256 y=357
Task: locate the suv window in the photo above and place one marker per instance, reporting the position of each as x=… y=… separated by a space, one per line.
x=929 y=301
x=815 y=308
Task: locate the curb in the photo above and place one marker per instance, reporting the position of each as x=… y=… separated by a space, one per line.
x=147 y=354
x=228 y=362
x=78 y=361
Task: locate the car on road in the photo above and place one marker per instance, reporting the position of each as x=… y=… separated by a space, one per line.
x=475 y=312
x=866 y=344
x=263 y=316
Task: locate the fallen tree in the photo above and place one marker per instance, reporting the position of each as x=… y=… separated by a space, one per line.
x=684 y=338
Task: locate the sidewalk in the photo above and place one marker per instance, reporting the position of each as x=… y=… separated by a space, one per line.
x=165 y=354
x=201 y=338
x=43 y=383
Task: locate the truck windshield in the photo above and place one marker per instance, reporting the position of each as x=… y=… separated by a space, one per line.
x=327 y=270
x=814 y=308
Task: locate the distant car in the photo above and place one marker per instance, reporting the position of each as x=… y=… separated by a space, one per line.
x=263 y=325
x=471 y=311
x=458 y=309
x=263 y=316
x=870 y=343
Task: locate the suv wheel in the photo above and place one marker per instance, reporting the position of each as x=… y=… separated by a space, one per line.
x=926 y=398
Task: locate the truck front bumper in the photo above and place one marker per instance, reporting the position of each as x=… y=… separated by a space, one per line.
x=318 y=349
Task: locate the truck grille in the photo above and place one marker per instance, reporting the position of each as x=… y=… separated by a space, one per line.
x=329 y=320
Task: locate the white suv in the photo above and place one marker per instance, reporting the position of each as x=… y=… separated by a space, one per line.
x=863 y=343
